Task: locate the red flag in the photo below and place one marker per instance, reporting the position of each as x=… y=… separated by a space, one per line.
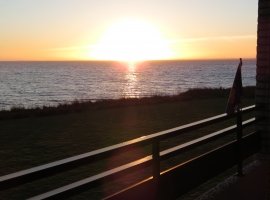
x=236 y=94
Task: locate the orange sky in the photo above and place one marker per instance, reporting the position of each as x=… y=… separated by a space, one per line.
x=91 y=30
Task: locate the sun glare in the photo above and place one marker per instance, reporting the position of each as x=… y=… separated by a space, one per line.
x=132 y=40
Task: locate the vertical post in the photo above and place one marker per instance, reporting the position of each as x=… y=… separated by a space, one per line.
x=262 y=84
x=262 y=76
x=156 y=166
x=239 y=144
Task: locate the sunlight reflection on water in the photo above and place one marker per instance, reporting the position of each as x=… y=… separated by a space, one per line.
x=131 y=87
x=32 y=84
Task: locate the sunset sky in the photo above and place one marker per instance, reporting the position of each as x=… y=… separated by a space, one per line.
x=127 y=29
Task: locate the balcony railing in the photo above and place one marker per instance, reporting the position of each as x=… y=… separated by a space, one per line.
x=168 y=184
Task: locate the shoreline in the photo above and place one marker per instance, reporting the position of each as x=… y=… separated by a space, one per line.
x=76 y=106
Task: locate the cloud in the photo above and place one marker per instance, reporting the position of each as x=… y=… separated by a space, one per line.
x=71 y=48
x=227 y=38
x=186 y=40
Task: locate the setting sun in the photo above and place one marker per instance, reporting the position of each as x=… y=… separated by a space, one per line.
x=126 y=30
x=132 y=40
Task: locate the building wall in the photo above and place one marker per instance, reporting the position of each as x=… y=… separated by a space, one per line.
x=262 y=76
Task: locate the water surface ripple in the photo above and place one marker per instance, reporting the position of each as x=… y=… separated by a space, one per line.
x=32 y=84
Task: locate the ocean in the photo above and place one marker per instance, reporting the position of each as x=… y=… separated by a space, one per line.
x=34 y=84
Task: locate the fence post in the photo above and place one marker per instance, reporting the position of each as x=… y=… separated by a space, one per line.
x=239 y=144
x=156 y=166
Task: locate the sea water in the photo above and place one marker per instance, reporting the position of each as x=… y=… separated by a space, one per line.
x=32 y=84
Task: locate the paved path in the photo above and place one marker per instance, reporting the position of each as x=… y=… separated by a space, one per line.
x=251 y=186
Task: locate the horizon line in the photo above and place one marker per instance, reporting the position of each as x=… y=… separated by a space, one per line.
x=176 y=59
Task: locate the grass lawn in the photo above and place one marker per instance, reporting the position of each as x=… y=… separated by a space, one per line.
x=29 y=142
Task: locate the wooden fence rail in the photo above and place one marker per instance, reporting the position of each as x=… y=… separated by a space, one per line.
x=154 y=186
